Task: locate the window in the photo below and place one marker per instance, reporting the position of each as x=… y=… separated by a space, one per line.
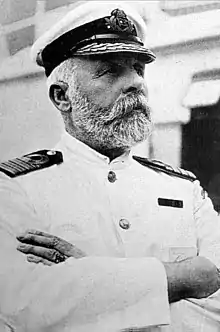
x=174 y=8
x=52 y=4
x=20 y=39
x=15 y=10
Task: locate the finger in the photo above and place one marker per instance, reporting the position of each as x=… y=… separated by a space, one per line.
x=50 y=254
x=39 y=240
x=37 y=260
x=36 y=232
x=53 y=242
x=71 y=251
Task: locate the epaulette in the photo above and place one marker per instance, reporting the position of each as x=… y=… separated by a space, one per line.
x=31 y=162
x=162 y=167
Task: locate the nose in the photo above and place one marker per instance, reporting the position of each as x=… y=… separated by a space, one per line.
x=133 y=82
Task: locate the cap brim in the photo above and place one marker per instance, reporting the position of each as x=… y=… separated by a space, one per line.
x=102 y=48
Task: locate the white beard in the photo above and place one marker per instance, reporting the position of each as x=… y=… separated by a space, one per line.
x=124 y=125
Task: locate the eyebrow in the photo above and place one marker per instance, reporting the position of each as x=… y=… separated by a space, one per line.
x=107 y=60
x=112 y=57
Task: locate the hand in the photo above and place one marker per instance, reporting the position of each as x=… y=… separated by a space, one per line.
x=45 y=248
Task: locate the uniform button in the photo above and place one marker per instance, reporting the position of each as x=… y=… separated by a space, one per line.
x=124 y=223
x=112 y=176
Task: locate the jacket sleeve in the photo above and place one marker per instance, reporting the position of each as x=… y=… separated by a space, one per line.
x=92 y=293
x=207 y=225
x=202 y=313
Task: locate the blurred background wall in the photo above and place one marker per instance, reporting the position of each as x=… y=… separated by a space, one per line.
x=184 y=83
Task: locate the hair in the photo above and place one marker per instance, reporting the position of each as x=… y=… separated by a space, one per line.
x=64 y=72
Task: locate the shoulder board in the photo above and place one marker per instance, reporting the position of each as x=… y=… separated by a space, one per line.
x=31 y=162
x=162 y=167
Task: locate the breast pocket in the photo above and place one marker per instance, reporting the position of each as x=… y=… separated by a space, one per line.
x=175 y=234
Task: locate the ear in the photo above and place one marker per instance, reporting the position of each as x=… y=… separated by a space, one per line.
x=59 y=96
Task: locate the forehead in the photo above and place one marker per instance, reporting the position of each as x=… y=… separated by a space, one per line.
x=118 y=58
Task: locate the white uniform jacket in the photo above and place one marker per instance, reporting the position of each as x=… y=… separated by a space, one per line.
x=128 y=219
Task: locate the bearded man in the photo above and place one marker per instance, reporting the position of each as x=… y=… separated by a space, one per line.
x=123 y=243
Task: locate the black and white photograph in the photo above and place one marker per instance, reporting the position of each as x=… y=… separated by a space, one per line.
x=109 y=166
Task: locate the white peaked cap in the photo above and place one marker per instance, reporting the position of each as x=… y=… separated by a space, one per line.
x=93 y=28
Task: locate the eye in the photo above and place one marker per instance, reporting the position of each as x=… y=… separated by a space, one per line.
x=113 y=68
x=109 y=69
x=140 y=69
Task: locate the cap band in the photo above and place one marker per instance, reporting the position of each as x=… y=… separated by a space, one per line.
x=106 y=38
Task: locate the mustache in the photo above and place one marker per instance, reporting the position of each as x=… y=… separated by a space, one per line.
x=125 y=106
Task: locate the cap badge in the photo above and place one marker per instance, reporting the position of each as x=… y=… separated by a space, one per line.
x=119 y=22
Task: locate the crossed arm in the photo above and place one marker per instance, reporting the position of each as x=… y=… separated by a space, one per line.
x=195 y=277
x=40 y=297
